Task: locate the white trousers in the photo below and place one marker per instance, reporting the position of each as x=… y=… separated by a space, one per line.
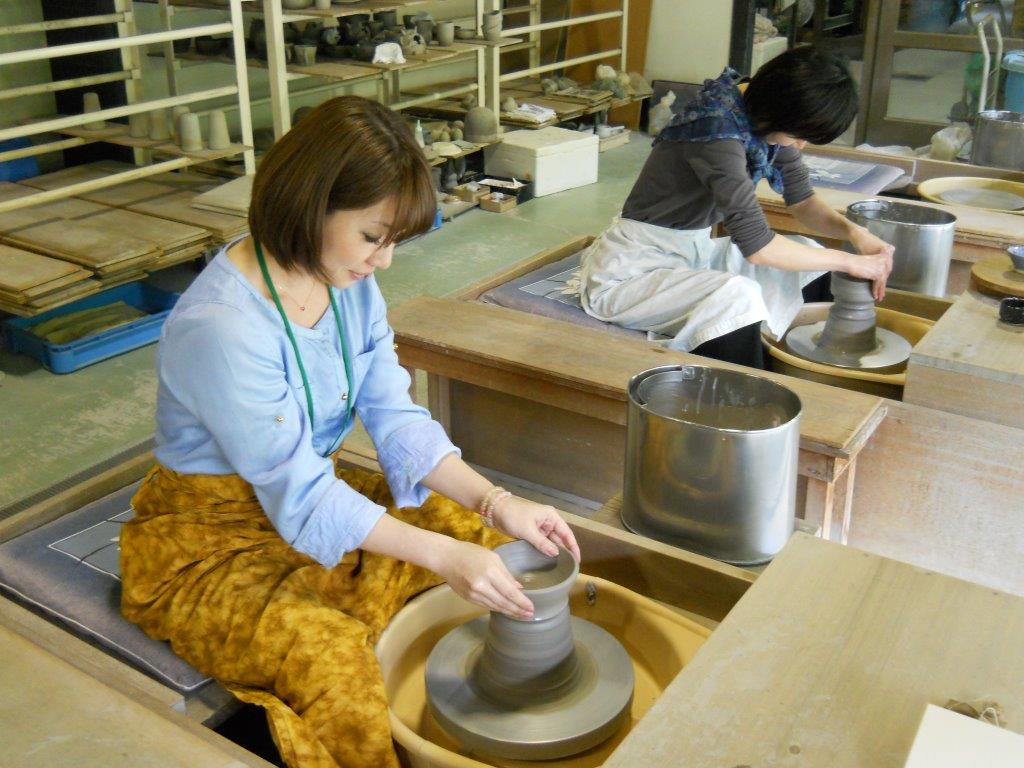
x=683 y=286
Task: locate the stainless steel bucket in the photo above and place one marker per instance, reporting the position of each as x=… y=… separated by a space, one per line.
x=999 y=139
x=711 y=461
x=922 y=236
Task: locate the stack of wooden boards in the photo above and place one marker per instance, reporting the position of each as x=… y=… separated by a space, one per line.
x=57 y=252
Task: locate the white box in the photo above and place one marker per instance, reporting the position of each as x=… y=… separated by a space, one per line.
x=765 y=51
x=554 y=159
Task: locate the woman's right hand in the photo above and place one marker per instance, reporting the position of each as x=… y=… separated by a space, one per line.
x=874 y=267
x=478 y=575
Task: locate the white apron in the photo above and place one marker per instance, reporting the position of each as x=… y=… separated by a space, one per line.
x=683 y=286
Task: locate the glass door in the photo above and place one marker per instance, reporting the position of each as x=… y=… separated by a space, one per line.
x=923 y=64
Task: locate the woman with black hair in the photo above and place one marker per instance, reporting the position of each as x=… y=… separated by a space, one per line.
x=657 y=267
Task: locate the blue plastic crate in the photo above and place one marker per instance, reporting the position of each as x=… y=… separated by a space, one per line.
x=65 y=358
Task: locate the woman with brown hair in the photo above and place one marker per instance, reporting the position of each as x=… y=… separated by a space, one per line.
x=265 y=565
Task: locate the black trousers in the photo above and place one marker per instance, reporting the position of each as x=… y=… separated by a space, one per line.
x=744 y=346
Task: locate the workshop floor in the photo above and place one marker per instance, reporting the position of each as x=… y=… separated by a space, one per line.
x=55 y=428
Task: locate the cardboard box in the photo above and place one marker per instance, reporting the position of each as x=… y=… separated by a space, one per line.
x=471 y=195
x=520 y=189
x=490 y=203
x=554 y=159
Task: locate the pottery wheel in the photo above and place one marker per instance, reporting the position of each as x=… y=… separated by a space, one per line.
x=984 y=198
x=892 y=349
x=592 y=708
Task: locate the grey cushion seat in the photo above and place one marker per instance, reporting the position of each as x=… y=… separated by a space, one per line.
x=542 y=292
x=69 y=571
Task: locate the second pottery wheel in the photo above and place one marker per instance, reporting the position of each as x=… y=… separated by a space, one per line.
x=850 y=338
x=539 y=689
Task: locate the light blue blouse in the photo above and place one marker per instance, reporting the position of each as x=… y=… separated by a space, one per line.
x=230 y=400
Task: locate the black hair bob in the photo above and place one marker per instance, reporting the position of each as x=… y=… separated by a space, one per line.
x=806 y=93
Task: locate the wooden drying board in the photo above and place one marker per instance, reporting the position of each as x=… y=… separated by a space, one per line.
x=564 y=110
x=177 y=206
x=970 y=363
x=118 y=134
x=89 y=245
x=22 y=271
x=432 y=55
x=230 y=198
x=974 y=225
x=828 y=661
x=52 y=300
x=449 y=109
x=165 y=196
x=168 y=236
x=335 y=69
x=533 y=87
x=996 y=276
x=40 y=292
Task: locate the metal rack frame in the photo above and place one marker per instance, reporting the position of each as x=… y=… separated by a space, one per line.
x=128 y=42
x=281 y=74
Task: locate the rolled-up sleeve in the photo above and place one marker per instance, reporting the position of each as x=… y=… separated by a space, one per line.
x=722 y=168
x=409 y=443
x=796 y=177
x=233 y=381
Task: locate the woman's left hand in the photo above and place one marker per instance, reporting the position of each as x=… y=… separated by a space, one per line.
x=865 y=242
x=539 y=524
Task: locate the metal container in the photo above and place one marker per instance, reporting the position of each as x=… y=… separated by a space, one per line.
x=711 y=461
x=999 y=139
x=922 y=236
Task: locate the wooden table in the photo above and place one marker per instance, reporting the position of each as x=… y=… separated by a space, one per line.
x=63 y=702
x=828 y=661
x=544 y=400
x=971 y=364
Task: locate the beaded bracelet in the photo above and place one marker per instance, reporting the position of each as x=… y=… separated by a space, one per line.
x=490 y=502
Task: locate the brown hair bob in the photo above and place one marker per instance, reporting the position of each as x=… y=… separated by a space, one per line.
x=348 y=153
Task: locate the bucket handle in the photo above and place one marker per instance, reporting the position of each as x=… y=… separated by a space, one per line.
x=685 y=371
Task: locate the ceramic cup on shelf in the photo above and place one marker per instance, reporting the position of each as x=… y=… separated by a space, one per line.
x=190 y=133
x=492 y=26
x=218 y=132
x=91 y=103
x=305 y=55
x=426 y=29
x=323 y=5
x=158 y=128
x=138 y=125
x=445 y=32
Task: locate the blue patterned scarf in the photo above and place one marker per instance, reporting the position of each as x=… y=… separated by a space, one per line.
x=717 y=113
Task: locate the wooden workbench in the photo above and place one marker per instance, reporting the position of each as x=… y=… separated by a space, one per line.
x=545 y=400
x=980 y=234
x=970 y=363
x=828 y=661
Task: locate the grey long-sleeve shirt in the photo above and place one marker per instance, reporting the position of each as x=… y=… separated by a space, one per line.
x=692 y=185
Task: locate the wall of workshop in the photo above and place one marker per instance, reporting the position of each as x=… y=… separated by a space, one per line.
x=689 y=40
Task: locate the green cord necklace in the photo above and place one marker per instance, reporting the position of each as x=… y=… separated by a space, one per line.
x=295 y=346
